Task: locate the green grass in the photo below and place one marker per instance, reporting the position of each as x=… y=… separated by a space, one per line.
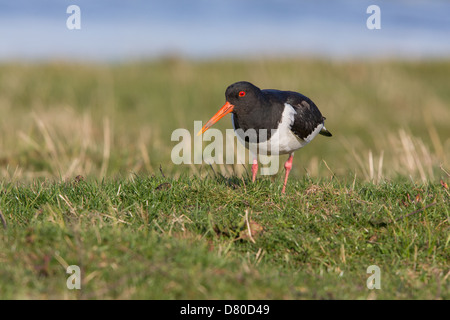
x=62 y=119
x=161 y=238
x=81 y=147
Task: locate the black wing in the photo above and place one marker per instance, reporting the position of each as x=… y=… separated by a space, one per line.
x=308 y=116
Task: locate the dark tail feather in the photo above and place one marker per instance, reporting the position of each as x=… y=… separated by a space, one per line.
x=325 y=132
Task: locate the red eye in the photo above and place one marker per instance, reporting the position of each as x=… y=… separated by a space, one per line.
x=241 y=93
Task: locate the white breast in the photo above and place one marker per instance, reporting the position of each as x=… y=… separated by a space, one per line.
x=282 y=140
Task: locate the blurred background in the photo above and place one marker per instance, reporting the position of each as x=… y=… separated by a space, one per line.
x=121 y=30
x=103 y=100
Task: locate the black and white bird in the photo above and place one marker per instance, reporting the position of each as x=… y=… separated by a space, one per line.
x=282 y=121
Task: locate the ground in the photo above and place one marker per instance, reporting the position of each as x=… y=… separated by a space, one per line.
x=87 y=179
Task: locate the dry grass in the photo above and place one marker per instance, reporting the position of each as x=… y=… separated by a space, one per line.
x=86 y=178
x=389 y=119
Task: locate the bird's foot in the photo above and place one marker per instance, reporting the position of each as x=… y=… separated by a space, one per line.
x=254 y=170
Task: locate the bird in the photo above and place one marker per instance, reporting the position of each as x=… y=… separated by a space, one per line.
x=282 y=121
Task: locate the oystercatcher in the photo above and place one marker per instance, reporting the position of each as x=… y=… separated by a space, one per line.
x=283 y=121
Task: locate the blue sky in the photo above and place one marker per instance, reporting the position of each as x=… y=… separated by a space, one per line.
x=135 y=29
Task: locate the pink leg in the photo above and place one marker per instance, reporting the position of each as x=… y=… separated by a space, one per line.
x=254 y=169
x=288 y=167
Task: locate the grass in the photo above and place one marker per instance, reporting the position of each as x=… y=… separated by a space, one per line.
x=161 y=238
x=63 y=119
x=86 y=179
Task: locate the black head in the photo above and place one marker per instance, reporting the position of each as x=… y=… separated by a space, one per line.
x=241 y=97
x=242 y=94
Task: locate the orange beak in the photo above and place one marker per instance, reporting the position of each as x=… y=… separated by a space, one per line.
x=227 y=108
